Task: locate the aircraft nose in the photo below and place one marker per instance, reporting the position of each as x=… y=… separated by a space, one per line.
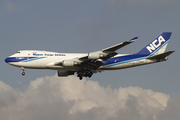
x=10 y=59
x=7 y=60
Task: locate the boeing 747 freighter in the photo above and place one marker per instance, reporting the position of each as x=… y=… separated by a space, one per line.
x=84 y=65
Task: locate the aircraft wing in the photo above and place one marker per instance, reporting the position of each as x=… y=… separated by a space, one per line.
x=93 y=60
x=120 y=45
x=107 y=53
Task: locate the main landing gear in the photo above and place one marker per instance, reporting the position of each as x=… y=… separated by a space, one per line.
x=23 y=73
x=87 y=73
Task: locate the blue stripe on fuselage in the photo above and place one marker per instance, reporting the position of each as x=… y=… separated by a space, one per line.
x=21 y=59
x=36 y=58
x=123 y=59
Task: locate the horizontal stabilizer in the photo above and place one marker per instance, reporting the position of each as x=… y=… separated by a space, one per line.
x=163 y=55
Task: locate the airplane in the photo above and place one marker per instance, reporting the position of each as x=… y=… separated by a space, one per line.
x=85 y=64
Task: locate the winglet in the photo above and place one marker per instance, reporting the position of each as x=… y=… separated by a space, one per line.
x=134 y=39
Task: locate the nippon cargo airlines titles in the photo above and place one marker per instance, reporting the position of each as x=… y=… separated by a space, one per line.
x=85 y=64
x=48 y=54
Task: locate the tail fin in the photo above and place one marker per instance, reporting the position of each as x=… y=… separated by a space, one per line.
x=157 y=46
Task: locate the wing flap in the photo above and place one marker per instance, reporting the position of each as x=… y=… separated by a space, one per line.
x=94 y=64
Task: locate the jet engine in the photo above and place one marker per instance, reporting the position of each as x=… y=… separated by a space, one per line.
x=64 y=73
x=69 y=63
x=96 y=55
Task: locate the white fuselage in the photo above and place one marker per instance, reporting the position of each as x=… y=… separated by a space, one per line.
x=35 y=59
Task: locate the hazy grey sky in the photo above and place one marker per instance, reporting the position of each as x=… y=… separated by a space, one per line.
x=87 y=26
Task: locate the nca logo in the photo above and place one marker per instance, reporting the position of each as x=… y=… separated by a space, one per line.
x=155 y=44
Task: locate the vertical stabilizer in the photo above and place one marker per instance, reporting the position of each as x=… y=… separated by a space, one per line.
x=157 y=46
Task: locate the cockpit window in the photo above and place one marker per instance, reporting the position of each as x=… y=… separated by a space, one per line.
x=18 y=52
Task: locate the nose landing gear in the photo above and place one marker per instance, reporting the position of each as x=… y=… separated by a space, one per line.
x=23 y=73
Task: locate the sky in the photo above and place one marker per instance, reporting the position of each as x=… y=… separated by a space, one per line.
x=83 y=26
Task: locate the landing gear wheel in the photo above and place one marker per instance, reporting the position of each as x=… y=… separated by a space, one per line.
x=89 y=74
x=80 y=78
x=84 y=73
x=80 y=75
x=23 y=73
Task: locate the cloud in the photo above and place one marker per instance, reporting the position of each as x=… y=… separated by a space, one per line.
x=172 y=110
x=7 y=8
x=70 y=99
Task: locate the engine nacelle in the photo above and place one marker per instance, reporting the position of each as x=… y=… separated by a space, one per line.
x=64 y=73
x=96 y=55
x=69 y=63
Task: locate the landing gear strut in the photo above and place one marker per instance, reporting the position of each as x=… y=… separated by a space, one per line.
x=23 y=73
x=87 y=73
